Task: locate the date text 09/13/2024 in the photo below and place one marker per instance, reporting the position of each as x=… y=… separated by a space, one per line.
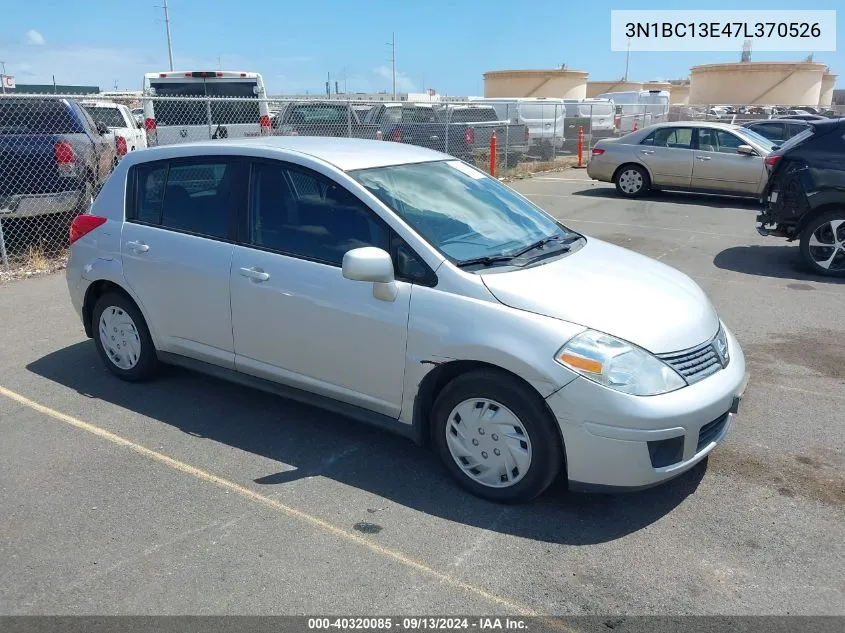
x=417 y=623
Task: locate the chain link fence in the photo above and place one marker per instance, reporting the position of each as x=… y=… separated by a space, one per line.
x=56 y=152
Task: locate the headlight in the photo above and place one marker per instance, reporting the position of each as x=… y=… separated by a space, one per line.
x=619 y=365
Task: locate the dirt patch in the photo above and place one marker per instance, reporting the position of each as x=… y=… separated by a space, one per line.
x=809 y=477
x=812 y=350
x=34 y=264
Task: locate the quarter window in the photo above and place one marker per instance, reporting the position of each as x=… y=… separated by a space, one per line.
x=299 y=213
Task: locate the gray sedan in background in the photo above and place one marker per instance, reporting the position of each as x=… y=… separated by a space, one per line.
x=702 y=156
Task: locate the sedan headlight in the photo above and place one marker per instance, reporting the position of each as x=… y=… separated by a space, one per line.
x=614 y=363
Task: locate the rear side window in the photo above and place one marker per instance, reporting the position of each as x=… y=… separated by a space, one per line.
x=771 y=131
x=797 y=139
x=191 y=196
x=111 y=117
x=676 y=138
x=33 y=116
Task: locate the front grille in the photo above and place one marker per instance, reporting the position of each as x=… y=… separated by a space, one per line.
x=710 y=431
x=694 y=364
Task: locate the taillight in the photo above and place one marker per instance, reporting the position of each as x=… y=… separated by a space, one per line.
x=84 y=224
x=65 y=159
x=152 y=135
x=772 y=160
x=469 y=136
x=120 y=145
x=598 y=151
x=264 y=122
x=397 y=136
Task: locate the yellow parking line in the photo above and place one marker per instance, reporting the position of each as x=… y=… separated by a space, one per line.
x=313 y=521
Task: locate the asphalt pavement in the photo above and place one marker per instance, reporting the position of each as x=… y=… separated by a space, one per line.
x=188 y=495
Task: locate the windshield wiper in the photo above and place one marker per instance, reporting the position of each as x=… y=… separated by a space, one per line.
x=546 y=240
x=487 y=260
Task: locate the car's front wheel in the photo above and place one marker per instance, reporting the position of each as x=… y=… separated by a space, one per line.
x=632 y=181
x=823 y=244
x=496 y=437
x=122 y=338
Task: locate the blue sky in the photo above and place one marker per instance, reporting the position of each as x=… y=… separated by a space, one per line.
x=445 y=45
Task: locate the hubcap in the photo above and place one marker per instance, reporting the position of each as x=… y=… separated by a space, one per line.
x=630 y=181
x=827 y=245
x=488 y=443
x=119 y=337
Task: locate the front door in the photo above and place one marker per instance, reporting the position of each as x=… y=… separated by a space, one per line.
x=176 y=256
x=667 y=152
x=719 y=167
x=296 y=319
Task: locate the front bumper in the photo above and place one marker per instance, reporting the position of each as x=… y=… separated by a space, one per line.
x=607 y=434
x=38 y=204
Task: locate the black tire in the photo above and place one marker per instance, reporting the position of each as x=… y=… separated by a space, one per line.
x=621 y=180
x=147 y=361
x=547 y=451
x=513 y=160
x=811 y=254
x=546 y=151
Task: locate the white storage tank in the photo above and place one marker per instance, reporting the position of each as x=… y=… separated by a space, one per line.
x=762 y=83
x=560 y=83
x=828 y=83
x=595 y=88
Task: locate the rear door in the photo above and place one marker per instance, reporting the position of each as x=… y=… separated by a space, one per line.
x=210 y=109
x=176 y=248
x=719 y=167
x=668 y=154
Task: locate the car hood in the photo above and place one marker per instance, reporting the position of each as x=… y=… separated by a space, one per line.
x=616 y=291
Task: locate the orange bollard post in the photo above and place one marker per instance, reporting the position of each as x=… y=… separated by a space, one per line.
x=493 y=154
x=580 y=146
x=636 y=125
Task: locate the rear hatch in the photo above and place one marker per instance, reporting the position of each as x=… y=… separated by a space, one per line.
x=545 y=121
x=214 y=108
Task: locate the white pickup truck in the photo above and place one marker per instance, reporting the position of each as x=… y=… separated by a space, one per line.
x=129 y=135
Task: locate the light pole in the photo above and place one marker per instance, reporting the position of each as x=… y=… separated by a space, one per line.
x=3 y=78
x=169 y=42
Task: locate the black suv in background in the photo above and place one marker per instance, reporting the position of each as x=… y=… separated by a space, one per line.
x=804 y=198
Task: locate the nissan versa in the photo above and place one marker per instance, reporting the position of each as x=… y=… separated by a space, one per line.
x=399 y=286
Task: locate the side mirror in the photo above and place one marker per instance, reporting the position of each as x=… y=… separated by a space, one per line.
x=746 y=150
x=102 y=128
x=374 y=265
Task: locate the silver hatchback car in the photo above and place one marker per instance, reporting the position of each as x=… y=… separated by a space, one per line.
x=404 y=288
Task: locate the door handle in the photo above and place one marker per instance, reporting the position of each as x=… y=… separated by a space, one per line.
x=138 y=247
x=255 y=274
x=703 y=158
x=647 y=151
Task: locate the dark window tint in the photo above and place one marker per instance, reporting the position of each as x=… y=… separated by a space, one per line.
x=195 y=197
x=152 y=179
x=317 y=113
x=771 y=131
x=299 y=213
x=470 y=115
x=795 y=128
x=33 y=116
x=229 y=103
x=674 y=137
x=112 y=117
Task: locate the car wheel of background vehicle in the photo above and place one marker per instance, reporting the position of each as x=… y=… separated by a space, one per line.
x=496 y=437
x=122 y=338
x=513 y=160
x=822 y=244
x=632 y=181
x=546 y=151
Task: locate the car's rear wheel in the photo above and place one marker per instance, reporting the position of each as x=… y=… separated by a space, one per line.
x=496 y=437
x=823 y=244
x=632 y=181
x=122 y=338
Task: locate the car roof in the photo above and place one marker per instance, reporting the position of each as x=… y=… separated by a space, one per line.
x=100 y=104
x=344 y=153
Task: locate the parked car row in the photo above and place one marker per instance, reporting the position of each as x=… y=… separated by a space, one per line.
x=795 y=168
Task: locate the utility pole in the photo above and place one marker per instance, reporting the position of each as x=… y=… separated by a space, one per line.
x=627 y=59
x=393 y=61
x=3 y=77
x=169 y=42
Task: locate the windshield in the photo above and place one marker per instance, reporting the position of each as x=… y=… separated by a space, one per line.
x=232 y=103
x=758 y=138
x=111 y=117
x=460 y=210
